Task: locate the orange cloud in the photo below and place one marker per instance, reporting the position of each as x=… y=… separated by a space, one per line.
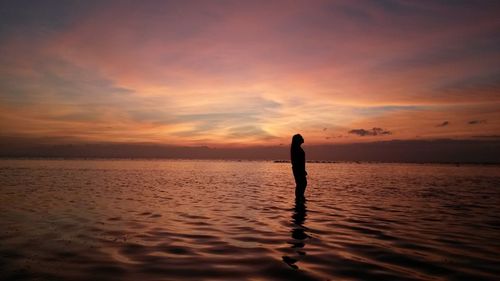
x=250 y=73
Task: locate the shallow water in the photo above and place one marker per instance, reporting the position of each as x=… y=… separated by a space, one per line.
x=222 y=220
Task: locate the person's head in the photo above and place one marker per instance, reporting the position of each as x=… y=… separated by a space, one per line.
x=297 y=140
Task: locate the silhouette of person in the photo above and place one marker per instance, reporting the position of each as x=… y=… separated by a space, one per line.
x=298 y=158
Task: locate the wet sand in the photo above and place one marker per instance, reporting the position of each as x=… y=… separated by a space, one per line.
x=223 y=220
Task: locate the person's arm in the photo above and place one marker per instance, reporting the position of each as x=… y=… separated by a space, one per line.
x=303 y=160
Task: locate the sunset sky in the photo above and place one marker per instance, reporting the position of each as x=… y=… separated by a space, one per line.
x=232 y=73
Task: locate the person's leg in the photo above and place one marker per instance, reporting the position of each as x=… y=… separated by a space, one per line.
x=297 y=178
x=301 y=187
x=305 y=185
x=298 y=190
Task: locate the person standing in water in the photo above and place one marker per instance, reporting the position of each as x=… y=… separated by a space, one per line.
x=298 y=158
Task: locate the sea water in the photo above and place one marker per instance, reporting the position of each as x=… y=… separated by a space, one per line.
x=230 y=220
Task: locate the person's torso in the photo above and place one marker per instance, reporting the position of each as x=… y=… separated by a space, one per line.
x=298 y=158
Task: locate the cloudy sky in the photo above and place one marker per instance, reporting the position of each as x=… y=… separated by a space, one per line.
x=225 y=73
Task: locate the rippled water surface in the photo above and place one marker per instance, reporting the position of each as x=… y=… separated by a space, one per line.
x=216 y=220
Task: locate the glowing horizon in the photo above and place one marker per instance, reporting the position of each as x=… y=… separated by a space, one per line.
x=236 y=73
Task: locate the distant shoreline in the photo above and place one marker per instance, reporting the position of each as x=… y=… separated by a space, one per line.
x=4 y=158
x=396 y=151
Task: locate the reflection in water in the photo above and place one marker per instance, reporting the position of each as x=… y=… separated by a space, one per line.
x=298 y=232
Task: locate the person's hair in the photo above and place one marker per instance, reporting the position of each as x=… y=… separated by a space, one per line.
x=296 y=140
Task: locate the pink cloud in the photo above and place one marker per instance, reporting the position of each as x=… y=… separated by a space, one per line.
x=320 y=61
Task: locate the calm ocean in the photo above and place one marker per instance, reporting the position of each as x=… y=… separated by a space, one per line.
x=228 y=220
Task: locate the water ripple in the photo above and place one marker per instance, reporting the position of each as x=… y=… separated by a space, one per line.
x=196 y=220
